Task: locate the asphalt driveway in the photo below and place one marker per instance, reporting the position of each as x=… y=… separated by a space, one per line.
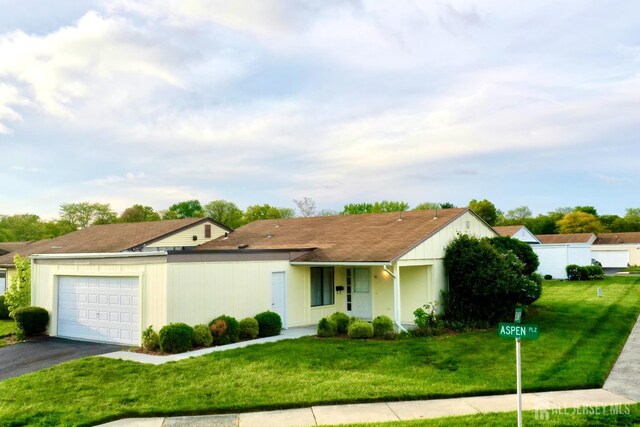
x=41 y=353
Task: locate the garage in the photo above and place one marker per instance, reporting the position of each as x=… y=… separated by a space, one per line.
x=611 y=258
x=105 y=309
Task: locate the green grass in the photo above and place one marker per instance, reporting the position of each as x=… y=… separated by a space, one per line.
x=7 y=327
x=618 y=415
x=580 y=338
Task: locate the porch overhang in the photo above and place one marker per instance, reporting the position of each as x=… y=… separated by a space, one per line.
x=341 y=263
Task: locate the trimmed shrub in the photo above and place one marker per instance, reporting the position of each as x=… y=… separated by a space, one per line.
x=548 y=277
x=269 y=324
x=150 y=339
x=249 y=329
x=342 y=322
x=326 y=328
x=176 y=338
x=4 y=310
x=202 y=336
x=587 y=272
x=360 y=330
x=31 y=320
x=225 y=330
x=382 y=326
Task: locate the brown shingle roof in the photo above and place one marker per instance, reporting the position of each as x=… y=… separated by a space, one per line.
x=507 y=230
x=549 y=239
x=617 y=238
x=7 y=247
x=346 y=238
x=104 y=238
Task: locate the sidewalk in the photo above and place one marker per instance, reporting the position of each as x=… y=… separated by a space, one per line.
x=621 y=388
x=388 y=411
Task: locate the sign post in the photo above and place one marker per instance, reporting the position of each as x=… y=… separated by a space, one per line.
x=518 y=331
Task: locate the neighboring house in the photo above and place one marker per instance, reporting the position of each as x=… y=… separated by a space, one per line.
x=556 y=251
x=178 y=234
x=519 y=232
x=5 y=248
x=617 y=249
x=302 y=268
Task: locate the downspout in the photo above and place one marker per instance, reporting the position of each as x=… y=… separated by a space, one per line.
x=396 y=299
x=33 y=263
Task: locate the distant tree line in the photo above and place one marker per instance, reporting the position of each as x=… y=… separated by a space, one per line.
x=75 y=216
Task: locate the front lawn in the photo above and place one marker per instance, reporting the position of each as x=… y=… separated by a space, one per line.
x=581 y=336
x=7 y=327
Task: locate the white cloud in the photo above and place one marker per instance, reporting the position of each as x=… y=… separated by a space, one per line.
x=115 y=180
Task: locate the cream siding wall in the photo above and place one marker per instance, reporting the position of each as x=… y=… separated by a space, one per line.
x=152 y=276
x=434 y=247
x=185 y=237
x=201 y=291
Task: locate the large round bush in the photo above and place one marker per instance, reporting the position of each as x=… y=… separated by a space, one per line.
x=269 y=324
x=31 y=320
x=485 y=282
x=225 y=330
x=176 y=338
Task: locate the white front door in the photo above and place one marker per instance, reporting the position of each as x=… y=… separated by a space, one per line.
x=105 y=309
x=3 y=281
x=279 y=296
x=361 y=306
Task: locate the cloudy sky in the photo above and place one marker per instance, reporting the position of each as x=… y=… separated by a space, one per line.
x=264 y=101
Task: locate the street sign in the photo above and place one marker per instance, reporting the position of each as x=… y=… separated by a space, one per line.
x=518 y=316
x=515 y=330
x=518 y=331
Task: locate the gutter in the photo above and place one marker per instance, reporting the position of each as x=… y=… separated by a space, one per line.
x=342 y=263
x=99 y=255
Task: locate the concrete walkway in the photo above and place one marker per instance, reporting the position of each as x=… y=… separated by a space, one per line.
x=286 y=334
x=624 y=378
x=621 y=388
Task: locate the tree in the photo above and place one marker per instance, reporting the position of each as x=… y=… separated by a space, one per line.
x=327 y=212
x=485 y=282
x=425 y=206
x=224 y=212
x=579 y=222
x=256 y=212
x=306 y=206
x=186 y=209
x=519 y=214
x=586 y=209
x=485 y=210
x=81 y=215
x=18 y=294
x=376 y=207
x=447 y=205
x=543 y=224
x=139 y=213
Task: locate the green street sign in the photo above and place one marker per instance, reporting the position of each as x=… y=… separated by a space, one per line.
x=514 y=330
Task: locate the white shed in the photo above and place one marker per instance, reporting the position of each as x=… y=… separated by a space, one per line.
x=559 y=250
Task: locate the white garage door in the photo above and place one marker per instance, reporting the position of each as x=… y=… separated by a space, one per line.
x=105 y=309
x=612 y=258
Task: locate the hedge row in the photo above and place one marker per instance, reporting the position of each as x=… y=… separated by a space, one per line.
x=340 y=324
x=180 y=337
